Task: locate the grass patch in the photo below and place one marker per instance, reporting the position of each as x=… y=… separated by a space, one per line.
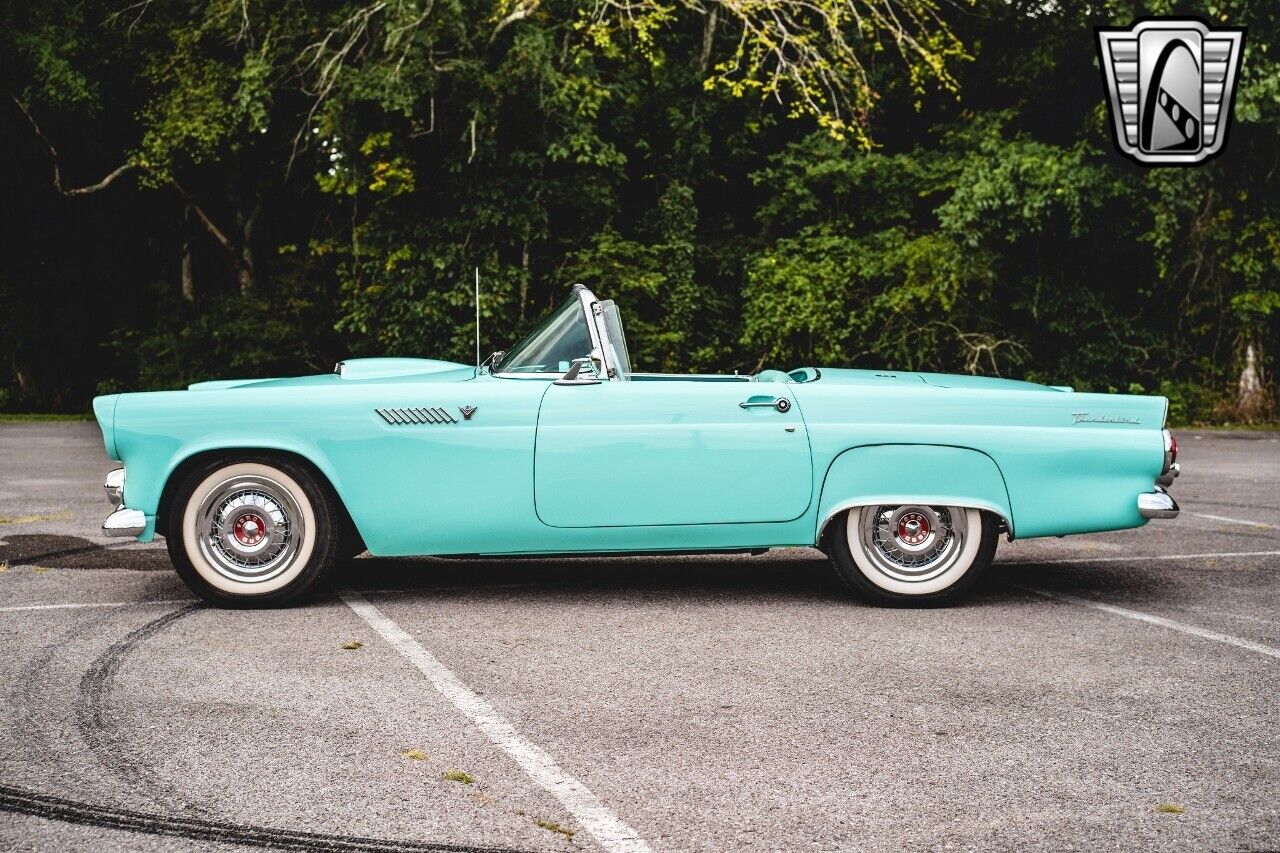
x=552 y=826
x=32 y=519
x=1170 y=808
x=414 y=754
x=39 y=569
x=37 y=417
x=353 y=644
x=458 y=776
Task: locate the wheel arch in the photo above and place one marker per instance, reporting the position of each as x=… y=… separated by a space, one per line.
x=895 y=474
x=198 y=458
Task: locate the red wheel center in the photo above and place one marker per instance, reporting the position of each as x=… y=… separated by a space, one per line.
x=249 y=529
x=913 y=528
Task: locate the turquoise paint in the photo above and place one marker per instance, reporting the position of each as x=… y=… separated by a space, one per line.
x=893 y=474
x=653 y=465
x=663 y=453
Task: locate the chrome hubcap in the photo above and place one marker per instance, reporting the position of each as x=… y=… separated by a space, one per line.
x=912 y=543
x=249 y=529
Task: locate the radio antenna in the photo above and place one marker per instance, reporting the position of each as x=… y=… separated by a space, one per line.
x=477 y=316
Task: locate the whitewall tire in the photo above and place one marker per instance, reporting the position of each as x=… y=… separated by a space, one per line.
x=252 y=531
x=912 y=553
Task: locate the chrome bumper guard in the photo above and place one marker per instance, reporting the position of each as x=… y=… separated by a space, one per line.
x=125 y=522
x=122 y=522
x=115 y=487
x=1157 y=504
x=1166 y=479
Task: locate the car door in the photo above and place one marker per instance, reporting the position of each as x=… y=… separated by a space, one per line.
x=621 y=454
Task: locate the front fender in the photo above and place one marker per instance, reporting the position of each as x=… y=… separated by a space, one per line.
x=152 y=460
x=894 y=474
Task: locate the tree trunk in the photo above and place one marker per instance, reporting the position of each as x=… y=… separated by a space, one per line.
x=244 y=272
x=524 y=276
x=708 y=40
x=188 y=274
x=1251 y=396
x=244 y=263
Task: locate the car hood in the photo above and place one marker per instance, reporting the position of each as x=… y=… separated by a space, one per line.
x=843 y=376
x=357 y=370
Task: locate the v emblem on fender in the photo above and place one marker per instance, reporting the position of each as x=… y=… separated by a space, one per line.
x=467 y=412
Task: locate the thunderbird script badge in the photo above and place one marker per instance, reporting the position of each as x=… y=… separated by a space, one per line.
x=1170 y=84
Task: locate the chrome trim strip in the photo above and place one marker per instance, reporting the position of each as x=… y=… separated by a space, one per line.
x=416 y=416
x=125 y=522
x=114 y=487
x=1157 y=504
x=594 y=329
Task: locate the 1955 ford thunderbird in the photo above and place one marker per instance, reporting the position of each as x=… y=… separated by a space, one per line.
x=556 y=447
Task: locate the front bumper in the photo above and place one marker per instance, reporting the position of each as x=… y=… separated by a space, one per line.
x=1157 y=504
x=124 y=521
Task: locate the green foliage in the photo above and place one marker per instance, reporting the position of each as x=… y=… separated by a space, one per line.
x=282 y=333
x=757 y=185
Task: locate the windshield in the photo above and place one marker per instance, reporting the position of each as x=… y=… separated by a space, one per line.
x=619 y=356
x=553 y=345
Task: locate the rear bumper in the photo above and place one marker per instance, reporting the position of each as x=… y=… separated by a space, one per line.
x=1166 y=479
x=1157 y=504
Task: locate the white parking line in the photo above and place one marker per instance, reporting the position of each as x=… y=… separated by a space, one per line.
x=1238 y=642
x=1235 y=520
x=1136 y=558
x=21 y=607
x=596 y=818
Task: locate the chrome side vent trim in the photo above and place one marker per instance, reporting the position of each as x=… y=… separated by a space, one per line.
x=406 y=417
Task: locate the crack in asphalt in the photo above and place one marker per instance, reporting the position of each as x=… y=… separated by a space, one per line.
x=19 y=801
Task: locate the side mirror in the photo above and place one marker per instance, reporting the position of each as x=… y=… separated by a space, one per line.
x=494 y=358
x=575 y=376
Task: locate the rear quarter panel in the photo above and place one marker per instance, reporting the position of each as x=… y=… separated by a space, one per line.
x=1059 y=476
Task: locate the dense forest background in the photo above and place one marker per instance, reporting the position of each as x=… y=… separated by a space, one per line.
x=250 y=188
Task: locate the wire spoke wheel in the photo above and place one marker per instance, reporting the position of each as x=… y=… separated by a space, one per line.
x=912 y=543
x=253 y=531
x=249 y=528
x=912 y=552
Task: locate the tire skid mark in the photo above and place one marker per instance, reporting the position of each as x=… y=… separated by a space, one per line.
x=19 y=801
x=97 y=727
x=28 y=693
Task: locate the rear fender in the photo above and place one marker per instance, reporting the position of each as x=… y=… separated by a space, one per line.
x=895 y=474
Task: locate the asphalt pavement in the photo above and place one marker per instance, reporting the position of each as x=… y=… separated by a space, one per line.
x=1116 y=691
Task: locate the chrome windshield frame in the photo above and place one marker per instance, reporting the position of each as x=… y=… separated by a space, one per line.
x=600 y=351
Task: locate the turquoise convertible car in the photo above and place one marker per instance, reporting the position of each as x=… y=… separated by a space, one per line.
x=905 y=479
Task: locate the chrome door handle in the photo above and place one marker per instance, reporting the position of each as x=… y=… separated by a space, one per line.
x=782 y=404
